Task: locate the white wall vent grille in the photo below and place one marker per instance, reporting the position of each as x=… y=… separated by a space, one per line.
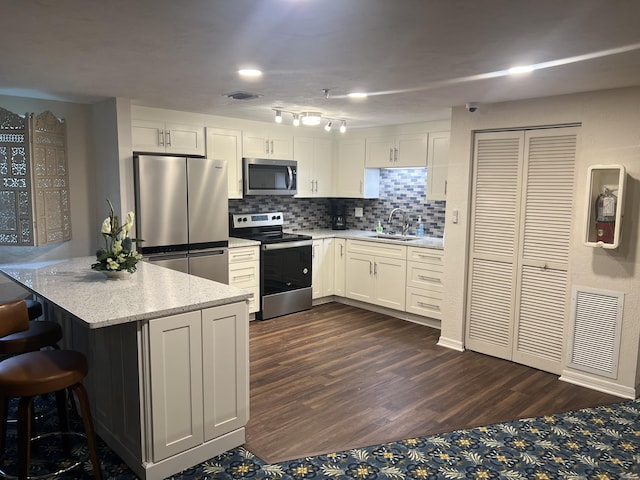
x=596 y=326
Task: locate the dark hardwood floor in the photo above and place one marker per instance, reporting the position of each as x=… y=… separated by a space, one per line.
x=337 y=377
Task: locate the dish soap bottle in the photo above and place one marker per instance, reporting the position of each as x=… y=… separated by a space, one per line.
x=420 y=231
x=379 y=228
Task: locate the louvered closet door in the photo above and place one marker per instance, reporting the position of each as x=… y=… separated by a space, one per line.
x=521 y=229
x=494 y=234
x=547 y=210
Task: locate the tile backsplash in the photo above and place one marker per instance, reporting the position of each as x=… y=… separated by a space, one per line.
x=399 y=188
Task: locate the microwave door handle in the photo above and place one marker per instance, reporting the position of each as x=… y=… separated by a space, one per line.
x=290 y=182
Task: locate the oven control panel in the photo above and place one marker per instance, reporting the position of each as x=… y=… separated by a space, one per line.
x=246 y=220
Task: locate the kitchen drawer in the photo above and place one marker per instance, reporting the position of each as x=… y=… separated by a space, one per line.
x=244 y=274
x=424 y=275
x=424 y=302
x=425 y=255
x=244 y=254
x=377 y=249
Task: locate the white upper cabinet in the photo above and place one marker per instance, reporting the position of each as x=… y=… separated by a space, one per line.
x=397 y=151
x=315 y=166
x=227 y=145
x=437 y=166
x=164 y=137
x=352 y=179
x=267 y=144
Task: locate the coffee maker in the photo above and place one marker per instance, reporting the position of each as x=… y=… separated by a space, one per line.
x=338 y=216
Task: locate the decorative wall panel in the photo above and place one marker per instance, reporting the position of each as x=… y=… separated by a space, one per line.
x=34 y=180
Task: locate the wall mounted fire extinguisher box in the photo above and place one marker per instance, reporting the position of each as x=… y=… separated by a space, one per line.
x=605 y=201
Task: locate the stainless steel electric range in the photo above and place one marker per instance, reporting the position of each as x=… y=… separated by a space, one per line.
x=285 y=262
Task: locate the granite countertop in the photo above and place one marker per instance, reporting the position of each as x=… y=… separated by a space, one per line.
x=151 y=292
x=425 y=242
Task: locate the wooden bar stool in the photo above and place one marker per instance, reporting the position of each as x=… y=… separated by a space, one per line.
x=37 y=373
x=19 y=335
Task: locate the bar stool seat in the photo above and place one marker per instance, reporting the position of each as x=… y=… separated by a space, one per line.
x=38 y=373
x=19 y=335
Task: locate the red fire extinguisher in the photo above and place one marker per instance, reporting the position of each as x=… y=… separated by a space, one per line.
x=605 y=216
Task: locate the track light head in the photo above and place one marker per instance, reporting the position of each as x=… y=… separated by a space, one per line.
x=343 y=126
x=328 y=126
x=278 y=116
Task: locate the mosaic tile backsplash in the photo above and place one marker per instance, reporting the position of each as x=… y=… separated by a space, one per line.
x=399 y=188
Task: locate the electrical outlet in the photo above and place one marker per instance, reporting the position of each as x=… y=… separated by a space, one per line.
x=359 y=212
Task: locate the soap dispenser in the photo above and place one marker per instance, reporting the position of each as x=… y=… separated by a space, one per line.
x=379 y=228
x=420 y=230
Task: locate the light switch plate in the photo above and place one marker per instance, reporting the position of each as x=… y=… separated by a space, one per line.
x=359 y=212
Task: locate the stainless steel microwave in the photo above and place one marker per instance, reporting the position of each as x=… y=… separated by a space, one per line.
x=264 y=176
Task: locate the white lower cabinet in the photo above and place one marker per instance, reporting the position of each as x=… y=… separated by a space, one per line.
x=244 y=272
x=340 y=268
x=199 y=387
x=322 y=269
x=376 y=273
x=424 y=282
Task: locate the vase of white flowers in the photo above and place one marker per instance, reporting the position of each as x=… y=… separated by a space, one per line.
x=118 y=254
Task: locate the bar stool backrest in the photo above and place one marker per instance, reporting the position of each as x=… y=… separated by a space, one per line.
x=14 y=317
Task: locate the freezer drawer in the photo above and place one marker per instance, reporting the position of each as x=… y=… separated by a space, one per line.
x=211 y=264
x=174 y=262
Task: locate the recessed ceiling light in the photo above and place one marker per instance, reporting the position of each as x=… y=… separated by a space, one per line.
x=249 y=72
x=358 y=95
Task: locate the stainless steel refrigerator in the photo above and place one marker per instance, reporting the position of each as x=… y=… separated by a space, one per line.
x=182 y=213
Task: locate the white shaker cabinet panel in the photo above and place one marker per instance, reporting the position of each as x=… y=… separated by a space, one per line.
x=352 y=179
x=437 y=166
x=162 y=137
x=227 y=145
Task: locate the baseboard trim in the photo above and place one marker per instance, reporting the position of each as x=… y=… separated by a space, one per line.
x=598 y=384
x=410 y=317
x=450 y=343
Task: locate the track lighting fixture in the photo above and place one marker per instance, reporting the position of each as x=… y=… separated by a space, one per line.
x=309 y=119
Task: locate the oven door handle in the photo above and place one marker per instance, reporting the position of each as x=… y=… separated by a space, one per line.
x=282 y=245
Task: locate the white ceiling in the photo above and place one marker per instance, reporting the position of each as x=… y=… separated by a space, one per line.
x=421 y=57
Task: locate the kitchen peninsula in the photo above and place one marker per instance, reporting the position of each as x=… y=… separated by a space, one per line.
x=168 y=358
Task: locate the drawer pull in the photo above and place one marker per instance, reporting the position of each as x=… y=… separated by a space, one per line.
x=429 y=279
x=237 y=277
x=428 y=305
x=238 y=255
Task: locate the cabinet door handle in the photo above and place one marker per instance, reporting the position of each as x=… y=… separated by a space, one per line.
x=391 y=154
x=161 y=137
x=395 y=154
x=375 y=269
x=370 y=268
x=168 y=138
x=266 y=147
x=445 y=187
x=361 y=187
x=271 y=147
x=341 y=250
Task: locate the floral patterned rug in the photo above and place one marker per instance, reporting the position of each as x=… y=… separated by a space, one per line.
x=599 y=443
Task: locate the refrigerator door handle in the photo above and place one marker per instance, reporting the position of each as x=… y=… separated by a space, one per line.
x=202 y=253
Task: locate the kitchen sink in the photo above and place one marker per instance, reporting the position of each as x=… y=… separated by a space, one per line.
x=396 y=236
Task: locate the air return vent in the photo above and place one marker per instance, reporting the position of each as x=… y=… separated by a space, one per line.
x=596 y=323
x=242 y=95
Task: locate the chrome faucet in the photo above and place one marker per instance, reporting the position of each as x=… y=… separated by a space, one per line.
x=405 y=225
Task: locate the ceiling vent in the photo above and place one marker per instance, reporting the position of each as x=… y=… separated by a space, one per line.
x=242 y=95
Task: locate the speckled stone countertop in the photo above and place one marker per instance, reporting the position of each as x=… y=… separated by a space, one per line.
x=425 y=242
x=151 y=292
